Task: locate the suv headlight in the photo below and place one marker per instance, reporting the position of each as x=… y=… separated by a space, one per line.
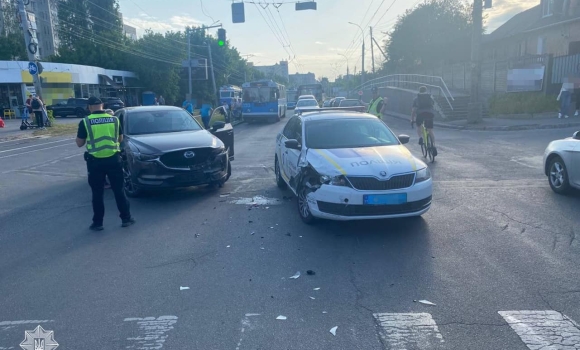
x=145 y=157
x=423 y=175
x=339 y=180
x=217 y=151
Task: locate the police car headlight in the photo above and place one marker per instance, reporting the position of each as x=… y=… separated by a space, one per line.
x=339 y=180
x=422 y=175
x=146 y=157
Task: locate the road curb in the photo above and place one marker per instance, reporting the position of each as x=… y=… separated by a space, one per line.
x=496 y=128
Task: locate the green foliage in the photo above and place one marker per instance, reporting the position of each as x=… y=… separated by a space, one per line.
x=12 y=47
x=433 y=32
x=522 y=103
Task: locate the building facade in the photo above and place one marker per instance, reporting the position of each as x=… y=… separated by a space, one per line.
x=279 y=69
x=130 y=32
x=298 y=79
x=551 y=27
x=62 y=81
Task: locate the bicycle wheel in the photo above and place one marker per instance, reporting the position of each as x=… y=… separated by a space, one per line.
x=424 y=147
x=430 y=149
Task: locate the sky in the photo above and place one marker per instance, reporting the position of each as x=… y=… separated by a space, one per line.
x=321 y=41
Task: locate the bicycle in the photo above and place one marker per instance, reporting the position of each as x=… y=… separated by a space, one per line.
x=427 y=145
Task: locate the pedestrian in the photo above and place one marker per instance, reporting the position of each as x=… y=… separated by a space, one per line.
x=28 y=109
x=37 y=108
x=102 y=135
x=565 y=98
x=205 y=112
x=161 y=100
x=188 y=106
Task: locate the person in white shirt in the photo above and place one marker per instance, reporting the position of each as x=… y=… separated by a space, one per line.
x=565 y=98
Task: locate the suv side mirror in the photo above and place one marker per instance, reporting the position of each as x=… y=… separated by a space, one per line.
x=576 y=135
x=404 y=139
x=293 y=144
x=218 y=125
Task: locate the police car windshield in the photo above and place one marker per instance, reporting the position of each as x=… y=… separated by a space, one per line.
x=163 y=121
x=348 y=133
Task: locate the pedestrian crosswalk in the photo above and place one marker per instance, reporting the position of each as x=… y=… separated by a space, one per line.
x=537 y=329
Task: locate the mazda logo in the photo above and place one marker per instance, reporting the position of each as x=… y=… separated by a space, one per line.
x=189 y=154
x=383 y=173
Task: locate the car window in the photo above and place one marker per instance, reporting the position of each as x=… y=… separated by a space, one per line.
x=218 y=115
x=289 y=130
x=160 y=121
x=71 y=101
x=298 y=130
x=307 y=103
x=348 y=133
x=119 y=114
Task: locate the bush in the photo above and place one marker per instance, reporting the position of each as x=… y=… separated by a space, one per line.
x=522 y=103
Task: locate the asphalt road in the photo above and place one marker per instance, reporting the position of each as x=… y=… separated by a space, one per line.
x=496 y=243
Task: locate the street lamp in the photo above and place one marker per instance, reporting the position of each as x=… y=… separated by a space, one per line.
x=362 y=32
x=347 y=69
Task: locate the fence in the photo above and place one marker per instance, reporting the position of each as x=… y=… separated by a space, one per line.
x=564 y=67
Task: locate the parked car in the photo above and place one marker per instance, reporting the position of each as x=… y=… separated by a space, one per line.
x=353 y=103
x=165 y=147
x=78 y=107
x=337 y=100
x=345 y=165
x=326 y=103
x=114 y=103
x=562 y=164
x=306 y=97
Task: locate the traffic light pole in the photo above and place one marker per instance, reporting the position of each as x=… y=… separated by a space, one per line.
x=189 y=64
x=212 y=74
x=31 y=47
x=475 y=105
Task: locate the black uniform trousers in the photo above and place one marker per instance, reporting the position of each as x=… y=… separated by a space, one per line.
x=98 y=169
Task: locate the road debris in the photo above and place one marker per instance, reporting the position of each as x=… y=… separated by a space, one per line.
x=228 y=246
x=324 y=312
x=426 y=302
x=183 y=288
x=289 y=234
x=317 y=288
x=296 y=275
x=313 y=298
x=310 y=273
x=333 y=330
x=262 y=248
x=283 y=318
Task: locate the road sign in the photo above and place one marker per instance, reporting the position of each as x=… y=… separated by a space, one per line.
x=32 y=68
x=360 y=93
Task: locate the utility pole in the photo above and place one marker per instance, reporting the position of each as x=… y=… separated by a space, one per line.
x=372 y=49
x=475 y=105
x=363 y=51
x=31 y=45
x=189 y=64
x=212 y=73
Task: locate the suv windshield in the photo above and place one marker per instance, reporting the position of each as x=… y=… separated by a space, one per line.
x=155 y=122
x=348 y=133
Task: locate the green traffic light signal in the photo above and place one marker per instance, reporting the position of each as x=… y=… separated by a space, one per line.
x=221 y=37
x=221 y=43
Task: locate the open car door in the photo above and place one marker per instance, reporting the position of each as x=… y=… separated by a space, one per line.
x=220 y=125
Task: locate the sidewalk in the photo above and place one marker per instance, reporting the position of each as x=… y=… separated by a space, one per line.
x=12 y=130
x=499 y=124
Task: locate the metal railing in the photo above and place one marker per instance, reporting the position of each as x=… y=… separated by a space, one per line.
x=410 y=80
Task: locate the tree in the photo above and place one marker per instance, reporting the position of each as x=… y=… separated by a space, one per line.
x=11 y=41
x=434 y=32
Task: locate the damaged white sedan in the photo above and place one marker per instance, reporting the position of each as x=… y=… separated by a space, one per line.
x=344 y=165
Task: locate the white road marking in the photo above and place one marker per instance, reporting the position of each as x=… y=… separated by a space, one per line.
x=13 y=323
x=37 y=145
x=535 y=162
x=246 y=324
x=36 y=150
x=549 y=330
x=152 y=332
x=409 y=330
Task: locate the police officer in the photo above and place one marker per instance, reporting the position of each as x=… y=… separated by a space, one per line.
x=102 y=135
x=377 y=104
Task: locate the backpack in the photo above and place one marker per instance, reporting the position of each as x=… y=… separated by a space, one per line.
x=424 y=101
x=35 y=104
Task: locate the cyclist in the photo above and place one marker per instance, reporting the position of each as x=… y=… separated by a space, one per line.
x=423 y=113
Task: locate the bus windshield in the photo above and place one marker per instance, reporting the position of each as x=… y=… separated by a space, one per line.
x=226 y=94
x=260 y=95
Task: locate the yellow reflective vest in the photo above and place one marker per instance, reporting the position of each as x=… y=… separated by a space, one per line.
x=373 y=107
x=102 y=135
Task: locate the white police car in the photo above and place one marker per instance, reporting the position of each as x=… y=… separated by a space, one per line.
x=344 y=165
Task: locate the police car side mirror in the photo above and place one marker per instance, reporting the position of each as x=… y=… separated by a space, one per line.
x=576 y=135
x=404 y=139
x=293 y=144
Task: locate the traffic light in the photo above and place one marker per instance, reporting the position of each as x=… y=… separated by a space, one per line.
x=221 y=37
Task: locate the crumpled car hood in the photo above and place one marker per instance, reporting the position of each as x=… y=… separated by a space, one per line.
x=368 y=161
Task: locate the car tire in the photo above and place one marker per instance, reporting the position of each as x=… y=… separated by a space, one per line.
x=131 y=190
x=279 y=180
x=80 y=113
x=303 y=208
x=558 y=176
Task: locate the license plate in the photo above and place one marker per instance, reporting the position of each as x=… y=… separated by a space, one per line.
x=385 y=199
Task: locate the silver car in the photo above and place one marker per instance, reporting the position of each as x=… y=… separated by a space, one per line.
x=562 y=164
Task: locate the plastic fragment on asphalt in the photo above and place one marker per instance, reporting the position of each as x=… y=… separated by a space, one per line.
x=313 y=298
x=252 y=315
x=317 y=288
x=333 y=330
x=427 y=302
x=310 y=273
x=324 y=312
x=228 y=246
x=271 y=226
x=296 y=275
x=183 y=288
x=262 y=248
x=253 y=233
x=283 y=318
